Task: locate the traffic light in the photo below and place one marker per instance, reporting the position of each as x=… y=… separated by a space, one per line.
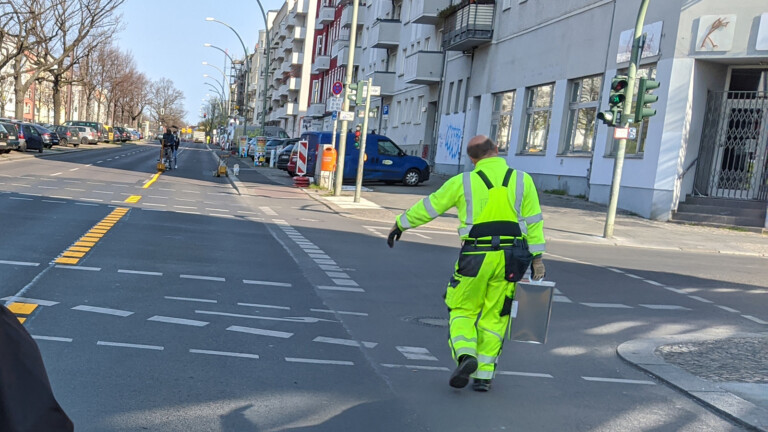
x=644 y=97
x=205 y=115
x=351 y=92
x=616 y=99
x=357 y=138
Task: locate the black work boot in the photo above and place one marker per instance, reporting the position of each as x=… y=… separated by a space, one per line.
x=467 y=366
x=481 y=385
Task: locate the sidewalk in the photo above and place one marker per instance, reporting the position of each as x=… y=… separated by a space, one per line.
x=728 y=373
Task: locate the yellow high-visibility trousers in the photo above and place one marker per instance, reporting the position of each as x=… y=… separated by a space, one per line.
x=478 y=289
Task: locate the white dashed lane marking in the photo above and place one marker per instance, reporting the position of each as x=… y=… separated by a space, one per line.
x=199 y=300
x=139 y=272
x=664 y=307
x=20 y=263
x=81 y=268
x=728 y=309
x=338 y=288
x=339 y=312
x=256 y=305
x=180 y=321
x=416 y=353
x=607 y=305
x=757 y=320
x=617 y=380
x=703 y=300
x=101 y=310
x=260 y=332
x=224 y=353
x=525 y=374
x=345 y=342
x=319 y=361
x=52 y=338
x=415 y=367
x=267 y=283
x=207 y=278
x=130 y=345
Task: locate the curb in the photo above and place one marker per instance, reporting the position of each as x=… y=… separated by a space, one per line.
x=641 y=353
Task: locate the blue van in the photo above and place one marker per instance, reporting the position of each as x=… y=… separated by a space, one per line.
x=386 y=161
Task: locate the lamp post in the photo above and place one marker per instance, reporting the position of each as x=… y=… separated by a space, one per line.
x=226 y=56
x=267 y=47
x=223 y=75
x=247 y=67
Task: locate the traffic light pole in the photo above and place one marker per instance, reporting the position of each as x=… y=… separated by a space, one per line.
x=361 y=158
x=345 y=105
x=625 y=116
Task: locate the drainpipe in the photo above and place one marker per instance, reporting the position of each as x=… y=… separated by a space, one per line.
x=466 y=99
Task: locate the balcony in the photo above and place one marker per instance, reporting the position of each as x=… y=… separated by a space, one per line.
x=469 y=25
x=299 y=33
x=326 y=16
x=343 y=56
x=287 y=110
x=296 y=59
x=294 y=84
x=275 y=95
x=322 y=63
x=337 y=45
x=426 y=11
x=316 y=110
x=346 y=16
x=290 y=22
x=299 y=7
x=385 y=34
x=279 y=54
x=385 y=80
x=423 y=67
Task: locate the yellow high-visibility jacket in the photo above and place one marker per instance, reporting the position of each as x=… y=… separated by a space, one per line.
x=468 y=192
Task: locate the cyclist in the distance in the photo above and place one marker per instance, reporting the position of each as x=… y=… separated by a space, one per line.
x=169 y=142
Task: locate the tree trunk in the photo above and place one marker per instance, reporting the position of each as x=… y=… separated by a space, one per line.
x=18 y=92
x=56 y=99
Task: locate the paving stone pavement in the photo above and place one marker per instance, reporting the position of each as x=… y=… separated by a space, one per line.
x=725 y=360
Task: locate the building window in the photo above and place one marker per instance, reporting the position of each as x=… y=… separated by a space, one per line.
x=537 y=115
x=501 y=119
x=419 y=109
x=27 y=108
x=315 y=92
x=401 y=72
x=636 y=146
x=583 y=105
x=398 y=112
x=448 y=99
x=458 y=97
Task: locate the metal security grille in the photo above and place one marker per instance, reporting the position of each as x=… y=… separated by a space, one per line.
x=733 y=157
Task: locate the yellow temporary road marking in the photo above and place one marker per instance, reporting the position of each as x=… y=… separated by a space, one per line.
x=21 y=320
x=85 y=244
x=67 y=261
x=90 y=238
x=69 y=254
x=152 y=180
x=22 y=308
x=79 y=249
x=133 y=199
x=103 y=226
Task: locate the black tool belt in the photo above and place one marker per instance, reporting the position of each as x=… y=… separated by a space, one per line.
x=517 y=256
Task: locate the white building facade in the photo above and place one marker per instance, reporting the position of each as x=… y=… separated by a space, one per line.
x=533 y=75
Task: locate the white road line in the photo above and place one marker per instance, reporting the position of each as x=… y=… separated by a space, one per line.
x=614 y=270
x=617 y=380
x=191 y=299
x=166 y=189
x=416 y=367
x=345 y=342
x=74 y=169
x=182 y=321
x=726 y=308
x=268 y=211
x=260 y=332
x=69 y=267
x=318 y=361
x=337 y=288
x=139 y=272
x=247 y=212
x=20 y=198
x=47 y=187
x=54 y=201
x=337 y=274
x=86 y=204
x=755 y=319
x=339 y=312
x=151 y=204
x=703 y=300
x=156 y=196
x=184 y=199
x=184 y=207
x=257 y=282
x=525 y=374
x=416 y=353
x=129 y=345
x=345 y=282
x=188 y=212
x=92 y=199
x=61 y=197
x=51 y=338
x=101 y=310
x=652 y=282
x=20 y=263
x=29 y=300
x=208 y=278
x=633 y=276
x=561 y=299
x=309 y=320
x=102 y=192
x=320 y=255
x=264 y=306
x=607 y=305
x=75 y=189
x=224 y=353
x=664 y=307
x=98 y=162
x=56 y=174
x=190 y=191
x=216 y=209
x=329 y=267
x=19 y=184
x=674 y=290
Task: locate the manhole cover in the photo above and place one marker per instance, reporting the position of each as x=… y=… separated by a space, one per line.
x=428 y=321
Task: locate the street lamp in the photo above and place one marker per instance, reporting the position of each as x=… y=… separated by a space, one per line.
x=247 y=67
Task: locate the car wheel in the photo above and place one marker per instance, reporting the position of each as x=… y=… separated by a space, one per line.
x=412 y=177
x=40 y=150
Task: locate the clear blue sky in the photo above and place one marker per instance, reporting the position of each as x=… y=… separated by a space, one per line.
x=166 y=38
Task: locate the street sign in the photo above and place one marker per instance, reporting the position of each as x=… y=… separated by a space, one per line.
x=337 y=88
x=301 y=159
x=334 y=104
x=385 y=112
x=620 y=133
x=346 y=115
x=375 y=91
x=334 y=115
x=632 y=133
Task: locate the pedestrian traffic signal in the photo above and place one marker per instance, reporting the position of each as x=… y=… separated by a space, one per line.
x=644 y=97
x=616 y=99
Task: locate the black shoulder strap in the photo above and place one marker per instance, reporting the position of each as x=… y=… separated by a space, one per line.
x=505 y=183
x=485 y=179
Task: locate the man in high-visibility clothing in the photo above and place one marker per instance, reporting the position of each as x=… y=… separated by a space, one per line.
x=502 y=233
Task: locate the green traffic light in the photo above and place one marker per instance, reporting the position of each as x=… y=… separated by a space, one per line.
x=645 y=98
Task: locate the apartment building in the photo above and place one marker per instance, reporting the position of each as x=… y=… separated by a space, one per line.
x=290 y=64
x=534 y=74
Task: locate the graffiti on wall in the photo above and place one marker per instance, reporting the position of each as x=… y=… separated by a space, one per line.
x=449 y=139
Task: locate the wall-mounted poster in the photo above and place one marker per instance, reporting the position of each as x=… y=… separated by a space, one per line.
x=716 y=33
x=449 y=145
x=762 y=33
x=652 y=42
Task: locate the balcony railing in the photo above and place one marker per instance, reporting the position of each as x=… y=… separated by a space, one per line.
x=321 y=64
x=385 y=34
x=296 y=59
x=385 y=80
x=326 y=15
x=299 y=33
x=423 y=67
x=316 y=110
x=469 y=25
x=425 y=11
x=346 y=16
x=343 y=56
x=338 y=45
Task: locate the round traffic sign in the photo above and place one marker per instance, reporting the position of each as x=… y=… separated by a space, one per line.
x=337 y=88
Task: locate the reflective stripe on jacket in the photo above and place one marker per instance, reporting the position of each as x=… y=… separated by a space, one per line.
x=469 y=194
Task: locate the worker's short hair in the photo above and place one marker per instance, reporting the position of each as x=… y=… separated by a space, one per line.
x=479 y=151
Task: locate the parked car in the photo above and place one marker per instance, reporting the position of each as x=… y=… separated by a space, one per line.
x=135 y=135
x=14 y=141
x=385 y=160
x=33 y=139
x=284 y=156
x=87 y=135
x=50 y=138
x=68 y=135
x=276 y=145
x=101 y=130
x=121 y=134
x=5 y=147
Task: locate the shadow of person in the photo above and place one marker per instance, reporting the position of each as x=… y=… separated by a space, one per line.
x=237 y=421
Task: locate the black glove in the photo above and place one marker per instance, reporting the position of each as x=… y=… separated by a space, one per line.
x=537 y=268
x=394 y=234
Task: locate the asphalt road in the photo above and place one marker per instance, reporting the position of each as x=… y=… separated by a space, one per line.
x=200 y=309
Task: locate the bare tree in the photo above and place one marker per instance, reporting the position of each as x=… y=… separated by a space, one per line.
x=134 y=95
x=165 y=103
